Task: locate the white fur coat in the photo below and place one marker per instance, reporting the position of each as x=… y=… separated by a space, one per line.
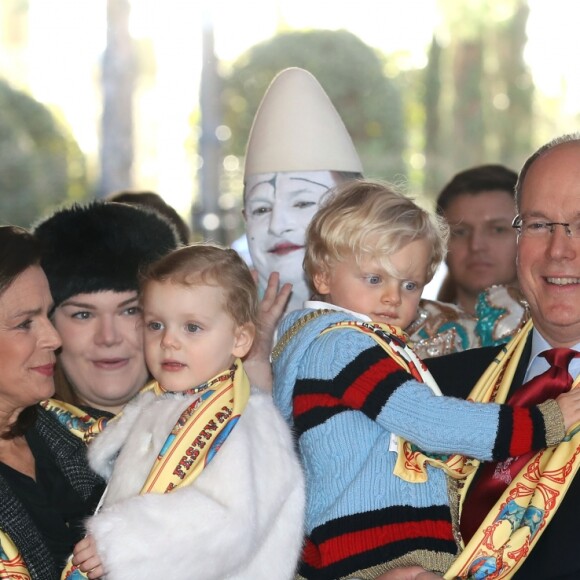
x=242 y=518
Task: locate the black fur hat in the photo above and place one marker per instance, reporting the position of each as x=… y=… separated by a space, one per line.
x=101 y=246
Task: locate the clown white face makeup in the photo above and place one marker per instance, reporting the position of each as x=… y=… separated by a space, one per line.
x=278 y=209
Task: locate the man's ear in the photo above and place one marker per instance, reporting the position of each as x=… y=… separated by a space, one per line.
x=321 y=282
x=244 y=337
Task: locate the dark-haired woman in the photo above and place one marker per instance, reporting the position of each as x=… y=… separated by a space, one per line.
x=46 y=486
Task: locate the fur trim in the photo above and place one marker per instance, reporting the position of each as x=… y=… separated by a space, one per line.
x=240 y=519
x=103 y=450
x=101 y=246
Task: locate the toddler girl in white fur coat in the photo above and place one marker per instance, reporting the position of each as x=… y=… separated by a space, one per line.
x=229 y=502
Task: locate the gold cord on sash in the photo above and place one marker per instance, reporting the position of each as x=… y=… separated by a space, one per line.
x=294 y=329
x=520 y=516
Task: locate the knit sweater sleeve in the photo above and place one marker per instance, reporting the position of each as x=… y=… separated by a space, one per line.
x=348 y=371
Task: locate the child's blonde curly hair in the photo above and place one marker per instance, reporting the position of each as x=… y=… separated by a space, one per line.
x=370 y=219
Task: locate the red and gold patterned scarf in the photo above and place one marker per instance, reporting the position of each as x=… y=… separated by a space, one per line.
x=520 y=516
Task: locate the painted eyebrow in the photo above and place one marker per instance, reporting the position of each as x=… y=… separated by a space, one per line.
x=295 y=192
x=310 y=181
x=270 y=181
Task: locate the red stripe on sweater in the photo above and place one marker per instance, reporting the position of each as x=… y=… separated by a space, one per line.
x=353 y=543
x=304 y=403
x=355 y=395
x=521 y=442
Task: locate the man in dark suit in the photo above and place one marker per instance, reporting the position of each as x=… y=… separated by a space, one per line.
x=548 y=266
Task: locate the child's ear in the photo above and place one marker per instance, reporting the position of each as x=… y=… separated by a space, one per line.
x=321 y=281
x=244 y=337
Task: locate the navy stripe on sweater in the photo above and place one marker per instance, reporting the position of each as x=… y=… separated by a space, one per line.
x=359 y=541
x=316 y=401
x=520 y=431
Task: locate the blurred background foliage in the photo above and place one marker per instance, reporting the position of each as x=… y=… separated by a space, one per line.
x=471 y=101
x=351 y=72
x=40 y=163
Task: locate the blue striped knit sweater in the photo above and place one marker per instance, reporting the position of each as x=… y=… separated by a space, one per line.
x=359 y=515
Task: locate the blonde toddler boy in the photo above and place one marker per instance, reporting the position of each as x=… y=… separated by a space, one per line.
x=347 y=383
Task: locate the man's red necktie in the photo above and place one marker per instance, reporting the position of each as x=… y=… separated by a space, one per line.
x=494 y=477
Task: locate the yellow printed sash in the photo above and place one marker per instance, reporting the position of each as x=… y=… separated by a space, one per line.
x=196 y=437
x=199 y=432
x=79 y=422
x=11 y=562
x=75 y=420
x=411 y=461
x=520 y=516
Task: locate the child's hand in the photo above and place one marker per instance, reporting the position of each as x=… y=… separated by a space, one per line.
x=257 y=362
x=85 y=556
x=272 y=308
x=569 y=404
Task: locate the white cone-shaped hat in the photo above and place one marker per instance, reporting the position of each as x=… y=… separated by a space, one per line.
x=297 y=128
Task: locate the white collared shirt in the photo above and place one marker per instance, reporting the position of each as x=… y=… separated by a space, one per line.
x=538 y=364
x=319 y=305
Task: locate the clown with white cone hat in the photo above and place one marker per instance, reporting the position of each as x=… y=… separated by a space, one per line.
x=297 y=150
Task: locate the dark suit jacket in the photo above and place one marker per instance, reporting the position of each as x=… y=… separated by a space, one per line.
x=556 y=555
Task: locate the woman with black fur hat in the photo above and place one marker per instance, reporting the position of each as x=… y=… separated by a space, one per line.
x=92 y=255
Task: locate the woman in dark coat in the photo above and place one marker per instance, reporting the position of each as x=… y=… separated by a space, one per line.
x=46 y=486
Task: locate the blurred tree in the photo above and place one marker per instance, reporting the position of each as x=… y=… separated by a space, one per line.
x=40 y=163
x=480 y=108
x=432 y=97
x=352 y=74
x=514 y=97
x=118 y=82
x=467 y=135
